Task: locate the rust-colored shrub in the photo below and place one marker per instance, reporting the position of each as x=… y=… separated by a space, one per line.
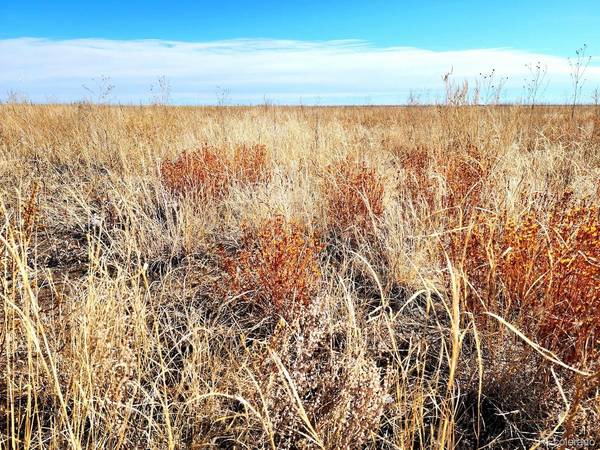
x=544 y=269
x=464 y=167
x=463 y=180
x=465 y=171
x=596 y=129
x=474 y=250
x=30 y=214
x=211 y=172
x=354 y=194
x=277 y=268
x=203 y=171
x=554 y=272
x=416 y=162
x=249 y=163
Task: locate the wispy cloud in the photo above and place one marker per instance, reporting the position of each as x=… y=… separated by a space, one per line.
x=348 y=71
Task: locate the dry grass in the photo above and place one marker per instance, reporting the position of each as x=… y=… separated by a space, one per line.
x=279 y=277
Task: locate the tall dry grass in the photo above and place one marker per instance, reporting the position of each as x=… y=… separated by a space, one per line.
x=278 y=277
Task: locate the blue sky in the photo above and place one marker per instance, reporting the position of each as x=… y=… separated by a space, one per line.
x=312 y=51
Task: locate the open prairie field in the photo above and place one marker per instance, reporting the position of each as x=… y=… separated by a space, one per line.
x=299 y=277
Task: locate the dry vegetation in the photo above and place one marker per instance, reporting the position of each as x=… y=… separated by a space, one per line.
x=274 y=277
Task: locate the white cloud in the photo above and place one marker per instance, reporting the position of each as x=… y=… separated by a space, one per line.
x=349 y=71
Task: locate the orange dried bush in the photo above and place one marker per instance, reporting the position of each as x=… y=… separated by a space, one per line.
x=30 y=214
x=464 y=167
x=277 y=268
x=474 y=250
x=554 y=272
x=465 y=172
x=250 y=163
x=203 y=171
x=416 y=164
x=596 y=128
x=546 y=270
x=463 y=179
x=354 y=194
x=211 y=172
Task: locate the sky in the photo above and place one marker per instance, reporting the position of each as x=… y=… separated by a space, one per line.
x=312 y=52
